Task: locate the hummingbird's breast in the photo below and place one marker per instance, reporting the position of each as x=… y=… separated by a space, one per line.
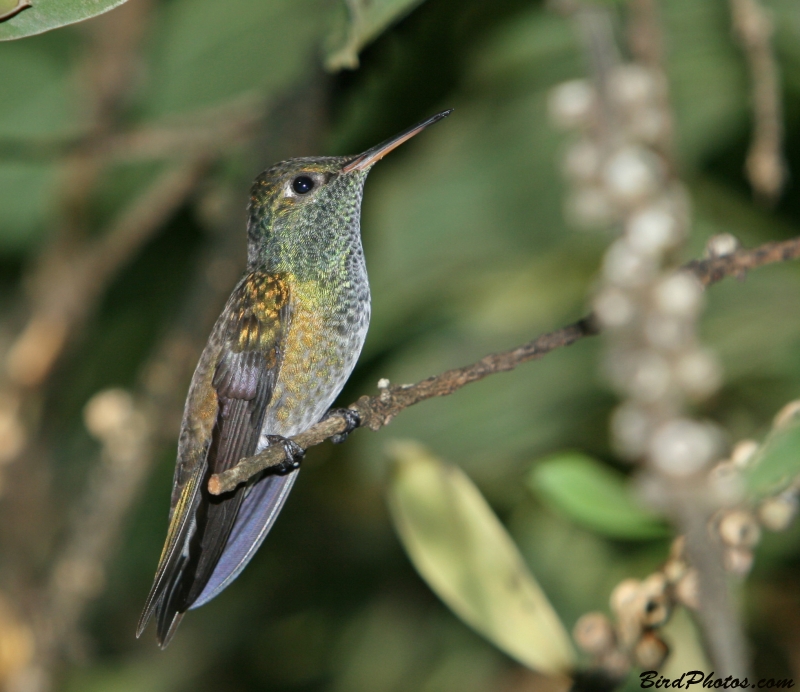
x=329 y=317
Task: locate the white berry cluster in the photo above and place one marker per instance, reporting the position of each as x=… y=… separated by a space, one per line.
x=619 y=176
x=641 y=607
x=613 y=167
x=740 y=523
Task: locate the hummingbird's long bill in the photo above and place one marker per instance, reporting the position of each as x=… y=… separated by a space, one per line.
x=375 y=154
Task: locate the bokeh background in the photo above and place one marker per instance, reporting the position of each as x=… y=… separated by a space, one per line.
x=127 y=146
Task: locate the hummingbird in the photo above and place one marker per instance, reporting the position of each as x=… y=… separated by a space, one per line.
x=279 y=354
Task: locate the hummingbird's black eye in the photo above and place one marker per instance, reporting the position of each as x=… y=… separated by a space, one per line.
x=302 y=184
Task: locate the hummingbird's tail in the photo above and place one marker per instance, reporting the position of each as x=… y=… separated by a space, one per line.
x=174 y=557
x=181 y=583
x=189 y=560
x=168 y=612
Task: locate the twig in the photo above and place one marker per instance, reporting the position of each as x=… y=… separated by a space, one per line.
x=155 y=142
x=63 y=304
x=106 y=72
x=645 y=34
x=717 y=612
x=208 y=130
x=712 y=270
x=766 y=166
x=646 y=42
x=139 y=221
x=77 y=574
x=377 y=411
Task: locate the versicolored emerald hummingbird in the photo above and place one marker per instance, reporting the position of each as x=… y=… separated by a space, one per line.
x=279 y=354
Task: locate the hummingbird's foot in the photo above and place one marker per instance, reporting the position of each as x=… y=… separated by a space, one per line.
x=293 y=455
x=352 y=419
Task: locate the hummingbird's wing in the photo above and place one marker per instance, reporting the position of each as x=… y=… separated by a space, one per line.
x=224 y=414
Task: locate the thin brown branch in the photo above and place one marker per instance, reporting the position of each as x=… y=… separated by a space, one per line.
x=645 y=33
x=206 y=131
x=646 y=42
x=78 y=570
x=77 y=574
x=139 y=221
x=766 y=167
x=710 y=271
x=71 y=288
x=105 y=74
x=717 y=612
x=377 y=411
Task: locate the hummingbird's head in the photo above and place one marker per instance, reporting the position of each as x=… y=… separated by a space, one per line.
x=300 y=201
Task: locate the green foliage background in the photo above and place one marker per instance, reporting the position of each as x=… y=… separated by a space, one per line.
x=468 y=252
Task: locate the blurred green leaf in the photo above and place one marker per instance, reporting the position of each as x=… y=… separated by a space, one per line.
x=36 y=97
x=777 y=462
x=367 y=20
x=465 y=554
x=38 y=107
x=593 y=495
x=27 y=192
x=45 y=15
x=206 y=54
x=708 y=83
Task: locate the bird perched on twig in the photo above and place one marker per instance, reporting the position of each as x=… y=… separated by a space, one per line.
x=279 y=354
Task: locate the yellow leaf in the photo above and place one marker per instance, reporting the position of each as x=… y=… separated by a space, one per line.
x=466 y=556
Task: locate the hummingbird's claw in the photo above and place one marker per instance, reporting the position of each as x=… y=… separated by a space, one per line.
x=293 y=452
x=352 y=419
